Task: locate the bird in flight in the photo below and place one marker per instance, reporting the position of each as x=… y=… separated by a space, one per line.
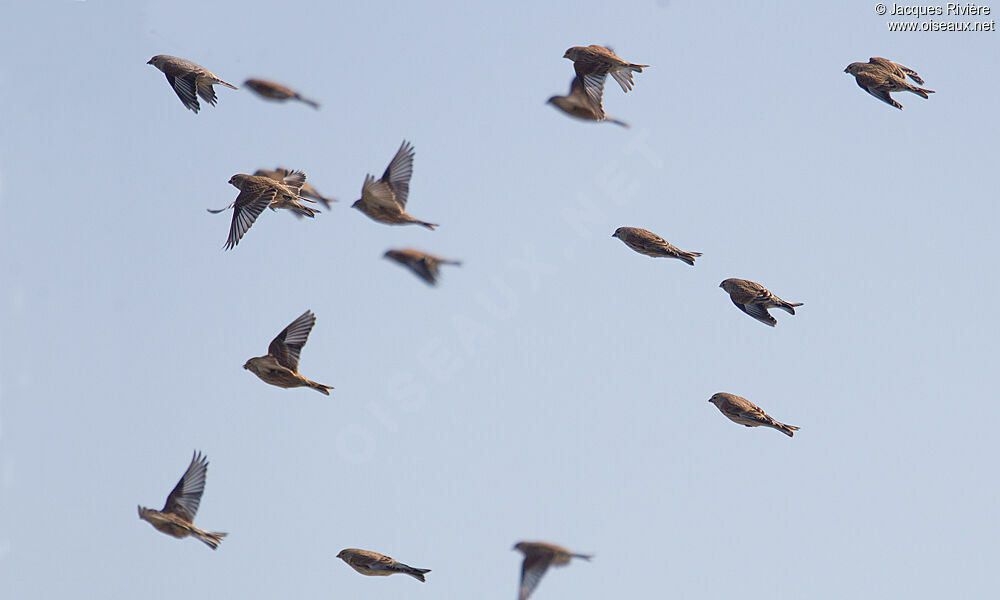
x=189 y=80
x=425 y=266
x=177 y=516
x=580 y=105
x=280 y=366
x=384 y=200
x=740 y=410
x=371 y=563
x=256 y=194
x=538 y=556
x=594 y=63
x=754 y=299
x=275 y=91
x=879 y=77
x=650 y=244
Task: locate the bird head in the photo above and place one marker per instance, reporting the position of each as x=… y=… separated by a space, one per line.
x=342 y=554
x=156 y=61
x=571 y=53
x=246 y=365
x=238 y=180
x=357 y=204
x=617 y=233
x=855 y=68
x=519 y=546
x=728 y=284
x=716 y=398
x=393 y=254
x=142 y=511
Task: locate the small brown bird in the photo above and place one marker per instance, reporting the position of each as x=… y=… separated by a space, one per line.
x=280 y=366
x=188 y=79
x=367 y=562
x=754 y=299
x=537 y=558
x=385 y=200
x=650 y=244
x=580 y=105
x=307 y=192
x=177 y=516
x=879 y=81
x=742 y=411
x=276 y=91
x=425 y=266
x=258 y=193
x=593 y=63
x=896 y=69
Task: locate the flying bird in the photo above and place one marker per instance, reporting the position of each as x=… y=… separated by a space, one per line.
x=384 y=200
x=367 y=562
x=754 y=299
x=880 y=81
x=742 y=411
x=277 y=92
x=580 y=105
x=258 y=193
x=177 y=516
x=307 y=192
x=650 y=244
x=425 y=266
x=538 y=556
x=189 y=80
x=280 y=366
x=594 y=63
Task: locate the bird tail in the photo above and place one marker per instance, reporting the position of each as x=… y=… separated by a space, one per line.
x=311 y=103
x=416 y=573
x=785 y=429
x=922 y=92
x=456 y=263
x=431 y=226
x=211 y=538
x=789 y=307
x=688 y=257
x=586 y=556
x=217 y=211
x=304 y=211
x=228 y=85
x=617 y=122
x=319 y=387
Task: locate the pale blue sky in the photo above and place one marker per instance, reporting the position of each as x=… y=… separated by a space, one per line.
x=555 y=387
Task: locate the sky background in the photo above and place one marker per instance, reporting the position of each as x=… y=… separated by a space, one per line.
x=554 y=387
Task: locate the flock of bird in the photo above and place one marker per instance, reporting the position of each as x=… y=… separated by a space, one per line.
x=384 y=200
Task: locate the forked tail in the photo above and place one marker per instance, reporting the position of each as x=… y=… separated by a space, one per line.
x=211 y=538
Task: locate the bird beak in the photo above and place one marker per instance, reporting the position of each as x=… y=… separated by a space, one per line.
x=149 y=62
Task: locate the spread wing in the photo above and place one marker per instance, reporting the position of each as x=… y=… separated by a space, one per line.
x=288 y=345
x=183 y=501
x=397 y=174
x=379 y=193
x=249 y=204
x=872 y=84
x=534 y=566
x=185 y=88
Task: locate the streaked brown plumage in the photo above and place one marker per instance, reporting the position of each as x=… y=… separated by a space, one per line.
x=307 y=192
x=384 y=200
x=538 y=556
x=742 y=411
x=275 y=91
x=258 y=193
x=425 y=266
x=754 y=299
x=367 y=562
x=879 y=80
x=280 y=366
x=188 y=80
x=650 y=244
x=896 y=69
x=594 y=63
x=580 y=105
x=177 y=516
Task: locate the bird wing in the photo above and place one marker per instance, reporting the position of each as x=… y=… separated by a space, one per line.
x=183 y=501
x=425 y=268
x=895 y=68
x=185 y=88
x=206 y=91
x=248 y=206
x=532 y=569
x=398 y=173
x=758 y=312
x=287 y=346
x=380 y=193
